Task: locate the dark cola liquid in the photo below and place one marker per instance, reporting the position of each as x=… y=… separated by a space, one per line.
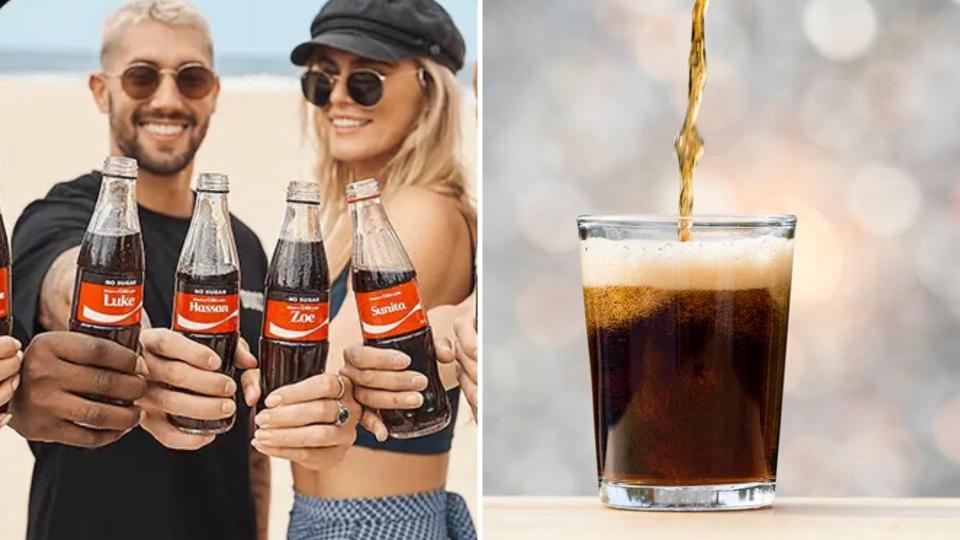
x=687 y=384
x=118 y=257
x=435 y=414
x=298 y=272
x=225 y=345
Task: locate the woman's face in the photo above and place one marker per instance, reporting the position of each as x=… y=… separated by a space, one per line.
x=365 y=138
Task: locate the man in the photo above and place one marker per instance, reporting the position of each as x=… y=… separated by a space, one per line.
x=106 y=471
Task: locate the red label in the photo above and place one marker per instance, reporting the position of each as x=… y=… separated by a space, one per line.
x=391 y=312
x=293 y=320
x=105 y=301
x=199 y=313
x=4 y=291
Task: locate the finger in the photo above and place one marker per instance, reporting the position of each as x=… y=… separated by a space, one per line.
x=322 y=411
x=8 y=346
x=381 y=399
x=313 y=458
x=467 y=364
x=87 y=350
x=320 y=386
x=250 y=381
x=168 y=435
x=8 y=387
x=243 y=358
x=445 y=351
x=188 y=405
x=145 y=323
x=102 y=382
x=5 y=419
x=315 y=436
x=187 y=377
x=466 y=335
x=398 y=381
x=95 y=414
x=469 y=389
x=170 y=344
x=373 y=358
x=374 y=424
x=10 y=365
x=74 y=435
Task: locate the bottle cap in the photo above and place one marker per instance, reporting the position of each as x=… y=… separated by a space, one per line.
x=363 y=189
x=213 y=182
x=120 y=167
x=303 y=192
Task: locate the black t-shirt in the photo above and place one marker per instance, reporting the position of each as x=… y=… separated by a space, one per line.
x=135 y=487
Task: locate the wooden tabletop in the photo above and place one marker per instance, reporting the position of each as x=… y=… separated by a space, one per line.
x=580 y=518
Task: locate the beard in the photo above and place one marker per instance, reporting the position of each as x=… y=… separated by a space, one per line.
x=126 y=137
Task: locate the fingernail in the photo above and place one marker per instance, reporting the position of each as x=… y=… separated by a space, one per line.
x=263 y=418
x=228 y=407
x=16 y=382
x=401 y=360
x=382 y=435
x=213 y=361
x=248 y=394
x=419 y=381
x=17 y=341
x=5 y=420
x=273 y=400
x=415 y=399
x=230 y=387
x=262 y=435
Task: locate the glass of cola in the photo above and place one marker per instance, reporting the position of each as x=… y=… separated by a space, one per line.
x=687 y=341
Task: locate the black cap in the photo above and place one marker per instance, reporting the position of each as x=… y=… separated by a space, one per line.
x=385 y=30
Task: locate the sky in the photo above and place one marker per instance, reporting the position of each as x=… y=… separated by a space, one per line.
x=240 y=27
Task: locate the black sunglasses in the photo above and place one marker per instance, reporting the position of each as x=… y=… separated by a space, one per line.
x=364 y=86
x=141 y=81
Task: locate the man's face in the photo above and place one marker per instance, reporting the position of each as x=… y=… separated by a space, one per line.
x=164 y=130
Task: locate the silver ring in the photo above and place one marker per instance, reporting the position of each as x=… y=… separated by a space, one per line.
x=343 y=414
x=343 y=388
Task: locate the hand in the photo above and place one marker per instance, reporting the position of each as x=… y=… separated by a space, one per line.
x=466 y=353
x=380 y=383
x=299 y=423
x=10 y=361
x=59 y=368
x=182 y=380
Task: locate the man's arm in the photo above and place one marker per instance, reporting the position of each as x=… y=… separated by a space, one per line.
x=260 y=486
x=56 y=291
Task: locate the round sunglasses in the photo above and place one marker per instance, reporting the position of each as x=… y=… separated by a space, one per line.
x=141 y=81
x=364 y=86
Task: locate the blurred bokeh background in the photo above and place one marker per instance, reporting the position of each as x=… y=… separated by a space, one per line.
x=843 y=112
x=51 y=131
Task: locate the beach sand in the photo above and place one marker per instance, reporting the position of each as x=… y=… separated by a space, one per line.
x=51 y=131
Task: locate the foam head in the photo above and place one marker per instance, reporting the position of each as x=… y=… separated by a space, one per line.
x=624 y=279
x=705 y=264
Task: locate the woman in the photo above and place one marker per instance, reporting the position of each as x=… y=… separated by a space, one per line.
x=382 y=101
x=10 y=360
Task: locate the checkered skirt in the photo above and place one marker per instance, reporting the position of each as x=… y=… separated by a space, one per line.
x=434 y=515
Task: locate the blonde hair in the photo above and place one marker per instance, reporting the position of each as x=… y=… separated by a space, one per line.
x=429 y=157
x=168 y=12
